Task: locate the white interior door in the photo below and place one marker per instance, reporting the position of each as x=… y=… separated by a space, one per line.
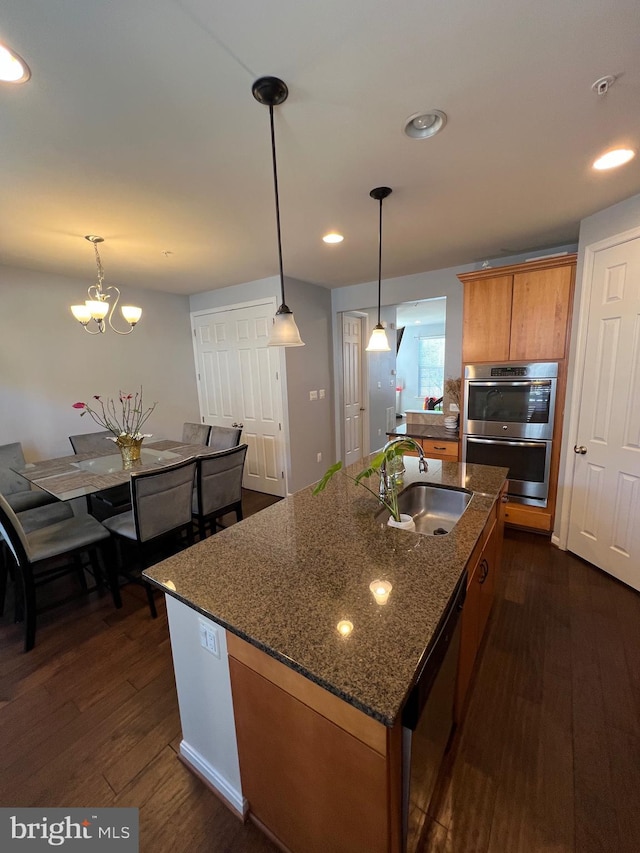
x=604 y=521
x=353 y=406
x=239 y=383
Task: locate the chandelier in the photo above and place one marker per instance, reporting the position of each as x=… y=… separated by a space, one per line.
x=98 y=307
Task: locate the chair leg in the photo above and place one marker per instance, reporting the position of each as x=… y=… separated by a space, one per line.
x=151 y=600
x=108 y=556
x=82 y=578
x=29 y=589
x=4 y=575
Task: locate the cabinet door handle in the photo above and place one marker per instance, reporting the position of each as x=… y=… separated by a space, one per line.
x=484 y=571
x=435 y=447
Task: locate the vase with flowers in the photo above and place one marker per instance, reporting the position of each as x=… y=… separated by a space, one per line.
x=124 y=421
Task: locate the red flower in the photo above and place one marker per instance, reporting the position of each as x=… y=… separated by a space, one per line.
x=79 y=405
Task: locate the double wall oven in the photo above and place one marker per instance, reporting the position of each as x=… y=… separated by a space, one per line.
x=509 y=413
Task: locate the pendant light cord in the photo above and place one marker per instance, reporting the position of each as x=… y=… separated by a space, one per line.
x=275 y=183
x=379 y=261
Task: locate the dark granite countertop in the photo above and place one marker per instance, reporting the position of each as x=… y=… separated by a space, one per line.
x=435 y=431
x=283 y=578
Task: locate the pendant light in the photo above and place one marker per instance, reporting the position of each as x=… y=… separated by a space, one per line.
x=271 y=91
x=378 y=341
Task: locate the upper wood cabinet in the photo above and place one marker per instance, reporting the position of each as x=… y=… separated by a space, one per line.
x=518 y=313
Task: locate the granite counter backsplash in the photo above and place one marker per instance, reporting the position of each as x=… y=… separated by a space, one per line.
x=285 y=577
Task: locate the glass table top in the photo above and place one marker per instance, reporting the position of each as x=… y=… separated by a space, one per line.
x=113 y=463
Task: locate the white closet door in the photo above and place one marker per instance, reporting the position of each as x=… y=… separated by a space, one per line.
x=239 y=383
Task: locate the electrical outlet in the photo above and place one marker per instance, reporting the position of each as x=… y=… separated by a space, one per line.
x=379 y=432
x=379 y=384
x=209 y=638
x=454 y=407
x=321 y=393
x=313 y=395
x=319 y=457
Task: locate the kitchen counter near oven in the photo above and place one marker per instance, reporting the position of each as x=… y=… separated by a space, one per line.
x=425 y=430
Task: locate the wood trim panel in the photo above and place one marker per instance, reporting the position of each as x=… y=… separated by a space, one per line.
x=532 y=517
x=540 y=264
x=357 y=723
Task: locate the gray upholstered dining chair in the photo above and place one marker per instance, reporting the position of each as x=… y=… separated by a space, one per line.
x=38 y=557
x=222 y=438
x=107 y=502
x=17 y=491
x=92 y=442
x=218 y=486
x=196 y=433
x=161 y=505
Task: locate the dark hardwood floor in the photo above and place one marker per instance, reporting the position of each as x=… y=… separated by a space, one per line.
x=548 y=757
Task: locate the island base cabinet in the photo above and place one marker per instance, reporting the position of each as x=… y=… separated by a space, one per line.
x=481 y=583
x=313 y=786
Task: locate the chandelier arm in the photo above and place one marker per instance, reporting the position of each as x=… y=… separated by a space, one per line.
x=113 y=308
x=100 y=330
x=277 y=195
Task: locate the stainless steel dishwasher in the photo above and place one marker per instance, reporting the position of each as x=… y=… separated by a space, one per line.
x=427 y=719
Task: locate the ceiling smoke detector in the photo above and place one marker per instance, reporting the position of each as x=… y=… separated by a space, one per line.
x=425 y=125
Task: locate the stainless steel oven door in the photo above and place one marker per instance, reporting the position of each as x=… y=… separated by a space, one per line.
x=528 y=463
x=522 y=408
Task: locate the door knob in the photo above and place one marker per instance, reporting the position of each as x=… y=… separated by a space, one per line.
x=234 y=424
x=581 y=450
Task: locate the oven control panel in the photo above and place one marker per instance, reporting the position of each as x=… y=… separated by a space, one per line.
x=509 y=371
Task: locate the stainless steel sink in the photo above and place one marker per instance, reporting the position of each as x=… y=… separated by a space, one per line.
x=434 y=509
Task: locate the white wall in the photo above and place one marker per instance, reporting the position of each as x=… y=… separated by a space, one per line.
x=308 y=368
x=407 y=362
x=47 y=362
x=617 y=219
x=203 y=684
x=379 y=368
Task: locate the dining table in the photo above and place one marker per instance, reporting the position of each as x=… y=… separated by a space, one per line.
x=82 y=474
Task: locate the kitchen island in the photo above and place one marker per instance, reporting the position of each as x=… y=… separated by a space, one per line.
x=316 y=710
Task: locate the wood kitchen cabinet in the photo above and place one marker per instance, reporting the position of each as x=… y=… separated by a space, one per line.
x=436 y=449
x=482 y=573
x=519 y=312
x=318 y=774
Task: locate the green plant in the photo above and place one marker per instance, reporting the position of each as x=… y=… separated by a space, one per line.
x=381 y=460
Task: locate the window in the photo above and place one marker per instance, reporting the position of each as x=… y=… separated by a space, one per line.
x=431 y=366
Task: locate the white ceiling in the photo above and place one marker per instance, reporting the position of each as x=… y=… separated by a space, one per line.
x=139 y=125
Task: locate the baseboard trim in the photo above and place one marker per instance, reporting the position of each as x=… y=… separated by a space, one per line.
x=231 y=797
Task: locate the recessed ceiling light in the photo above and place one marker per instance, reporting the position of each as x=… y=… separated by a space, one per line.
x=13 y=69
x=616 y=157
x=333 y=237
x=425 y=125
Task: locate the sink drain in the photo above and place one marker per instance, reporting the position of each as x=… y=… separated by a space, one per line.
x=439 y=531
